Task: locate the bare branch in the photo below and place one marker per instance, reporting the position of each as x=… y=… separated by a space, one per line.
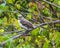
x=51 y=3
x=53 y=22
x=15 y=31
x=39 y=14
x=26 y=32
x=14 y=37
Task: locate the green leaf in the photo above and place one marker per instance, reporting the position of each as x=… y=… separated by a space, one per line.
x=29 y=16
x=57 y=37
x=30 y=10
x=46 y=45
x=58 y=2
x=1 y=21
x=35 y=31
x=10 y=1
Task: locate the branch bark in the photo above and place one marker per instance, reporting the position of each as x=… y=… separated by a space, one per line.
x=26 y=32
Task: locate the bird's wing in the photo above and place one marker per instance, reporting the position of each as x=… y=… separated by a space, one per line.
x=26 y=23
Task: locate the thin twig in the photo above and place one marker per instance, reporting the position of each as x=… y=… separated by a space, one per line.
x=10 y=32
x=51 y=3
x=39 y=14
x=26 y=32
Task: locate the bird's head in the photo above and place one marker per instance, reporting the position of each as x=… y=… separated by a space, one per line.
x=20 y=17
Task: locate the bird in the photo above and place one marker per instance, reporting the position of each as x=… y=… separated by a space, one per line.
x=24 y=23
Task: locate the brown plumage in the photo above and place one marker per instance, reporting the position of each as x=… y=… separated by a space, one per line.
x=25 y=24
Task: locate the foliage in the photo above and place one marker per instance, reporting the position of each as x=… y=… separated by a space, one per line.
x=37 y=12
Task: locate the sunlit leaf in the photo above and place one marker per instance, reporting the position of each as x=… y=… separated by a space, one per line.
x=35 y=32
x=1 y=21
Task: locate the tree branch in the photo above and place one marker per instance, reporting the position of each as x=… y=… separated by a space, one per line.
x=51 y=3
x=26 y=32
